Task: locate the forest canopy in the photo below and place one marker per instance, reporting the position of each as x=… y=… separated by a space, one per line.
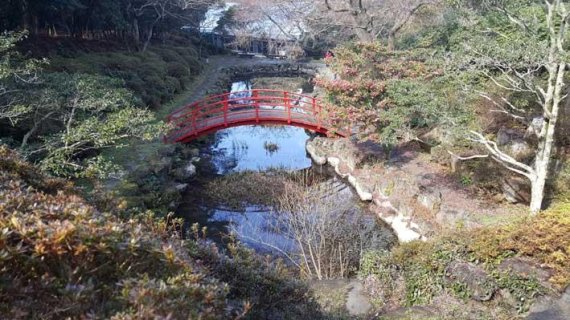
x=134 y=20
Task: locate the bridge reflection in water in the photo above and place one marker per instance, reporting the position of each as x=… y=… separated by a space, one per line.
x=258 y=106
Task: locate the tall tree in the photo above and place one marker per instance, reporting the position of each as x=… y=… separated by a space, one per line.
x=287 y=17
x=146 y=15
x=136 y=20
x=14 y=71
x=525 y=54
x=370 y=19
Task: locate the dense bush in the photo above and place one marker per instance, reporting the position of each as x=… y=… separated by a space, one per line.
x=543 y=238
x=154 y=76
x=61 y=257
x=64 y=114
x=81 y=115
x=399 y=94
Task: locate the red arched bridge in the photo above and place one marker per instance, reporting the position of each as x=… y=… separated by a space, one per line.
x=259 y=106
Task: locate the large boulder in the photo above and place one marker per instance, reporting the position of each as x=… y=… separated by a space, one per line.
x=527 y=268
x=430 y=199
x=516 y=190
x=318 y=156
x=190 y=170
x=535 y=127
x=185 y=173
x=479 y=284
x=452 y=217
x=505 y=136
x=551 y=308
x=520 y=149
x=159 y=164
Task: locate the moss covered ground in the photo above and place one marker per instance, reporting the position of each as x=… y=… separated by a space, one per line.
x=524 y=259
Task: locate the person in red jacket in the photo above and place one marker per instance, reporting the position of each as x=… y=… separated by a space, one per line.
x=328 y=55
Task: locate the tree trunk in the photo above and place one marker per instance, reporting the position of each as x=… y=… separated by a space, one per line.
x=26 y=19
x=542 y=161
x=148 y=38
x=391 y=41
x=136 y=33
x=537 y=194
x=28 y=135
x=33 y=130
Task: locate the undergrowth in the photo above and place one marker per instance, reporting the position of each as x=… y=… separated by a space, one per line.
x=415 y=273
x=62 y=258
x=154 y=76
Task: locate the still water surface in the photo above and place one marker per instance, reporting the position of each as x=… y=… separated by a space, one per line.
x=245 y=148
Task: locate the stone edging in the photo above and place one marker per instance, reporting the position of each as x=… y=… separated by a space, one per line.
x=404 y=227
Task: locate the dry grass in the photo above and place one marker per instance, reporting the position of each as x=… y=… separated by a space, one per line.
x=544 y=238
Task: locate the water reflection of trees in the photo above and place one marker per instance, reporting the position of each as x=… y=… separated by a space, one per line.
x=319 y=230
x=270 y=131
x=227 y=159
x=232 y=145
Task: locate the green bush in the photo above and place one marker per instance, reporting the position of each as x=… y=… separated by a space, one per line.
x=178 y=70
x=543 y=238
x=149 y=75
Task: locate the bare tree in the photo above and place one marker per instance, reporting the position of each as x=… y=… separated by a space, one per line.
x=370 y=19
x=328 y=235
x=540 y=74
x=285 y=19
x=159 y=10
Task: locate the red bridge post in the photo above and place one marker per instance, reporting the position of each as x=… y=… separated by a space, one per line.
x=226 y=107
x=317 y=111
x=287 y=105
x=194 y=128
x=254 y=95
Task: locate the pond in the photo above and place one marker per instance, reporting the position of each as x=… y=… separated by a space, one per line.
x=264 y=149
x=261 y=148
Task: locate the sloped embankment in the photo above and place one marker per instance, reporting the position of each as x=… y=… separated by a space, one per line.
x=410 y=193
x=62 y=257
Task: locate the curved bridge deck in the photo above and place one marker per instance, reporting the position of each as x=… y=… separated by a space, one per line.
x=259 y=106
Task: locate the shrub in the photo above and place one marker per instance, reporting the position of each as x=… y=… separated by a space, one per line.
x=178 y=70
x=401 y=94
x=543 y=238
x=63 y=258
x=144 y=73
x=420 y=267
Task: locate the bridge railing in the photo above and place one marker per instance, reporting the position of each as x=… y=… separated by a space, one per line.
x=252 y=105
x=249 y=98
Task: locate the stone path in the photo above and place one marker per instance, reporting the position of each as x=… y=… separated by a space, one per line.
x=356 y=301
x=213 y=72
